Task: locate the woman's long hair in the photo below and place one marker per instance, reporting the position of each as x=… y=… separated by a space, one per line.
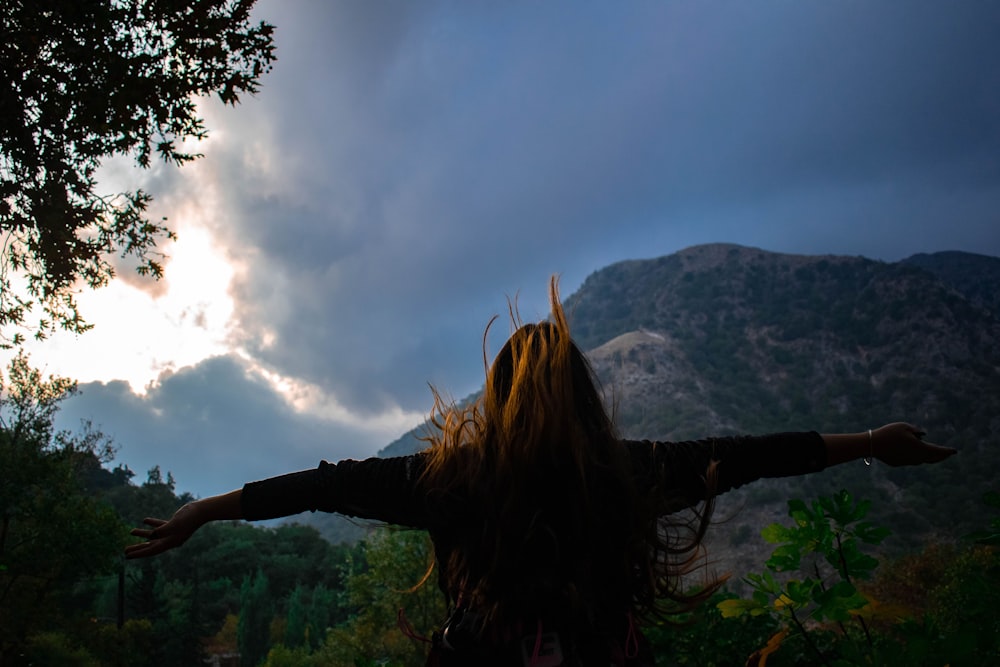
x=561 y=531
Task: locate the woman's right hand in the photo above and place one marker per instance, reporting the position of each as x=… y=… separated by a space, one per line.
x=165 y=535
x=897 y=444
x=901 y=444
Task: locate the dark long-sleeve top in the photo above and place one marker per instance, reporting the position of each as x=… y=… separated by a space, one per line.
x=388 y=489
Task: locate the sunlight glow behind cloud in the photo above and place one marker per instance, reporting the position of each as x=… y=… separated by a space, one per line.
x=140 y=333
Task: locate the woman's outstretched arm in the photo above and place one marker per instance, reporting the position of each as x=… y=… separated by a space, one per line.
x=380 y=489
x=165 y=535
x=898 y=444
x=679 y=469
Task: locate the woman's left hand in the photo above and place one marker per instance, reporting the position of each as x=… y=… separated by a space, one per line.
x=166 y=535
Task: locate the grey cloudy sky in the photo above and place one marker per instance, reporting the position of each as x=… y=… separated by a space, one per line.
x=406 y=166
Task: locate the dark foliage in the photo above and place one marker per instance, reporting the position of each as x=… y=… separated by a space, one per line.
x=81 y=82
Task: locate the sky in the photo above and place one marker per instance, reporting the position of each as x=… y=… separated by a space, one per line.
x=408 y=167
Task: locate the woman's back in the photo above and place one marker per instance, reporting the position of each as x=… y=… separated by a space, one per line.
x=556 y=534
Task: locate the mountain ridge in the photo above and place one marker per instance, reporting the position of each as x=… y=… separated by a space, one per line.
x=721 y=338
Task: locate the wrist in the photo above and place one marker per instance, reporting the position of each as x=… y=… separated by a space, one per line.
x=199 y=511
x=224 y=507
x=844 y=447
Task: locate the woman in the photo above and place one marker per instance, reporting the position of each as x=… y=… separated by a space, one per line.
x=551 y=534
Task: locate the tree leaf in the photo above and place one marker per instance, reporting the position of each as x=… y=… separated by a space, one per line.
x=776 y=533
x=734 y=608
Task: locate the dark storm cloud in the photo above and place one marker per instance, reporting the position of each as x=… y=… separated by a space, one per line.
x=214 y=427
x=426 y=159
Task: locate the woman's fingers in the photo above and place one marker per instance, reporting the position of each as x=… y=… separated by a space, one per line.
x=136 y=550
x=146 y=532
x=154 y=545
x=933 y=452
x=938 y=453
x=143 y=550
x=161 y=534
x=903 y=444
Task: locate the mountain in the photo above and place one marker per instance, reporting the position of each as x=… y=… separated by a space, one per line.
x=720 y=339
x=737 y=339
x=975 y=276
x=723 y=339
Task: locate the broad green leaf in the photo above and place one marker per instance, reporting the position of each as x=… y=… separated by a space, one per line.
x=843 y=511
x=783 y=601
x=796 y=505
x=776 y=533
x=870 y=534
x=763 y=582
x=800 y=513
x=737 y=607
x=838 y=602
x=801 y=518
x=859 y=565
x=784 y=558
x=801 y=592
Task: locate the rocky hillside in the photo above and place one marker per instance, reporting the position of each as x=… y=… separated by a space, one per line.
x=724 y=339
x=721 y=339
x=734 y=339
x=975 y=276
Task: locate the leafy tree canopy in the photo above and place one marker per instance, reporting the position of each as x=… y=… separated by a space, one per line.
x=81 y=82
x=52 y=532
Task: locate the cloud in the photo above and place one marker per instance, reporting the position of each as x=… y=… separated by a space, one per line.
x=215 y=426
x=407 y=165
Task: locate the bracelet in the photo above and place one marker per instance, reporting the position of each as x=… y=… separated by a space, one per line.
x=871 y=448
